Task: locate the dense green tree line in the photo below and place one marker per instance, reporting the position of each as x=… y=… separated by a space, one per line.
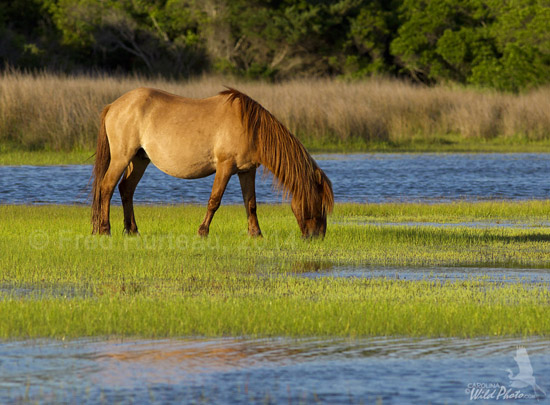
x=503 y=44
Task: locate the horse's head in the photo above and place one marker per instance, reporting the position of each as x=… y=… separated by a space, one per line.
x=311 y=209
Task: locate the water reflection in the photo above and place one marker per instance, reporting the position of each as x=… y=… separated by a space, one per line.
x=395 y=370
x=471 y=224
x=443 y=274
x=357 y=178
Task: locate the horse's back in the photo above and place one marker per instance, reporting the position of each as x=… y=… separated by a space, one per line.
x=152 y=104
x=183 y=137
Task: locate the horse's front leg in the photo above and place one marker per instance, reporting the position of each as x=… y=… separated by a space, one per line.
x=248 y=187
x=224 y=170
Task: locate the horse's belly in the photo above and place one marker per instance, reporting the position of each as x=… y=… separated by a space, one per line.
x=182 y=165
x=193 y=171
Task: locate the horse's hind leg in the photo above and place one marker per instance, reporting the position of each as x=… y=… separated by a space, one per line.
x=127 y=187
x=224 y=170
x=248 y=187
x=107 y=187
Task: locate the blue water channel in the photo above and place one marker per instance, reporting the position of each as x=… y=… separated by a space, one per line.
x=358 y=178
x=273 y=371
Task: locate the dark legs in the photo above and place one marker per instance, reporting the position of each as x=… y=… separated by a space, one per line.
x=127 y=187
x=134 y=171
x=107 y=186
x=247 y=180
x=224 y=171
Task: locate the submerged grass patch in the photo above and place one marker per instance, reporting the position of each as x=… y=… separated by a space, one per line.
x=292 y=307
x=169 y=282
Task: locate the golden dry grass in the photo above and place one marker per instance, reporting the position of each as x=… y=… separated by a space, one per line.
x=45 y=111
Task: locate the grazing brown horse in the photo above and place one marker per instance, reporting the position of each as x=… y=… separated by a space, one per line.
x=192 y=138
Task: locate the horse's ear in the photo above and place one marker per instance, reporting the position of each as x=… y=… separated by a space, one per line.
x=318 y=176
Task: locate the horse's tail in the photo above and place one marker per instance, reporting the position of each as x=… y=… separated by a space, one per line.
x=102 y=160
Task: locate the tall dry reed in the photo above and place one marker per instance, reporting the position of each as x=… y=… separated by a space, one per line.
x=45 y=111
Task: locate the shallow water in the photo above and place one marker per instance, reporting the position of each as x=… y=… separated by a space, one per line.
x=44 y=290
x=443 y=274
x=357 y=178
x=228 y=370
x=471 y=224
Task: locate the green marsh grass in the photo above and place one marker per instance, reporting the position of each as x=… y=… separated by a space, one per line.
x=169 y=282
x=17 y=157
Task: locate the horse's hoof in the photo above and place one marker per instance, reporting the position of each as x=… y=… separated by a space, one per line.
x=102 y=231
x=203 y=231
x=129 y=232
x=255 y=233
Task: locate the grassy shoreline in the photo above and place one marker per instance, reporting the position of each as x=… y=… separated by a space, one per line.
x=58 y=281
x=79 y=157
x=45 y=158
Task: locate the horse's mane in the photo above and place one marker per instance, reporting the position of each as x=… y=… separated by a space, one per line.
x=284 y=155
